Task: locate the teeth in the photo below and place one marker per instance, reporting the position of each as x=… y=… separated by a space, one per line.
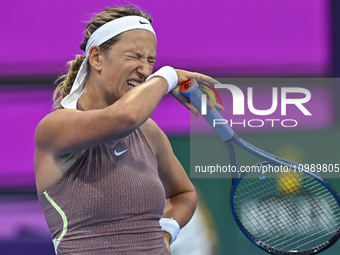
x=133 y=83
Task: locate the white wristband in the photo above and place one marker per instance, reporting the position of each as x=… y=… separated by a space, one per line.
x=171 y=226
x=169 y=74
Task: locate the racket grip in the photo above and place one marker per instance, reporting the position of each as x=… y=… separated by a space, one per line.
x=192 y=91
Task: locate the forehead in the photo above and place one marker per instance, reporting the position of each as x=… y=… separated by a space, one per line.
x=138 y=39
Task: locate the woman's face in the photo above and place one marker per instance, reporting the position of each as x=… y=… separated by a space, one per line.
x=128 y=63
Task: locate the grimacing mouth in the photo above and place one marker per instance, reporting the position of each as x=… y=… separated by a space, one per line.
x=133 y=83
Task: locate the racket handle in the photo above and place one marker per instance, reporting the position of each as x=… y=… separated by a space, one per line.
x=192 y=91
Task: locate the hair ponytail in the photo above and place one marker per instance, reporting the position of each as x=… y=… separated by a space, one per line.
x=64 y=87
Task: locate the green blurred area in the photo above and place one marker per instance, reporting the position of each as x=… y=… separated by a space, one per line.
x=308 y=147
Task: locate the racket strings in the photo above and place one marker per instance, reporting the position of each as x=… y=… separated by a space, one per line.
x=303 y=217
x=283 y=201
x=314 y=227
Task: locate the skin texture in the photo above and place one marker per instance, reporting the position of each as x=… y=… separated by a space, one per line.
x=115 y=110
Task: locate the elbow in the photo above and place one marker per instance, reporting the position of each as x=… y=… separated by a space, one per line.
x=190 y=199
x=194 y=198
x=128 y=118
x=131 y=120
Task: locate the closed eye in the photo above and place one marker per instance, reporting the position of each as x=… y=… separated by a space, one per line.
x=137 y=55
x=152 y=61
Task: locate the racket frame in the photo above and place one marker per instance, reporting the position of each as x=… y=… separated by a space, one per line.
x=192 y=91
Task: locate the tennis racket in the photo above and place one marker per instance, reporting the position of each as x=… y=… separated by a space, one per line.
x=287 y=211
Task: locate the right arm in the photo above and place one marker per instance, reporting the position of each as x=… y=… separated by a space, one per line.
x=65 y=131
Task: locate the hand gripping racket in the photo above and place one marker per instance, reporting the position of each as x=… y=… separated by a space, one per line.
x=290 y=211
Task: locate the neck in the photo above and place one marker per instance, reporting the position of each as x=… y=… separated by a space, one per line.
x=92 y=99
x=82 y=104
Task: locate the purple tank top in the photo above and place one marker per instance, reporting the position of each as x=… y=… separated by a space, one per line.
x=109 y=202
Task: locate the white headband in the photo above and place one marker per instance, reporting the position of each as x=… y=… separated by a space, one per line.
x=101 y=35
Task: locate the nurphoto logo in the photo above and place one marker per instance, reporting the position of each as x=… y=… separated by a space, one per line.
x=287 y=96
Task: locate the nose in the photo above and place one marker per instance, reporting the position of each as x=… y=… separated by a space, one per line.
x=144 y=68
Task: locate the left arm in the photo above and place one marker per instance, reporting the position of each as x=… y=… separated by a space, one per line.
x=180 y=193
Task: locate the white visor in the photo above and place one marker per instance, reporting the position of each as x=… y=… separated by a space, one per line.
x=100 y=36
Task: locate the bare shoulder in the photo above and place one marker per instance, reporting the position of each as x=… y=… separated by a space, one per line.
x=150 y=128
x=155 y=136
x=48 y=166
x=49 y=126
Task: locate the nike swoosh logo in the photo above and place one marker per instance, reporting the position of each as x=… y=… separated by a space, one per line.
x=142 y=22
x=120 y=153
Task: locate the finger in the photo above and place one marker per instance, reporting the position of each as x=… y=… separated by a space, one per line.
x=192 y=108
x=183 y=100
x=201 y=78
x=219 y=107
x=211 y=102
x=211 y=98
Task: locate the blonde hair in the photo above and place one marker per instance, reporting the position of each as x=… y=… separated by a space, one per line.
x=67 y=80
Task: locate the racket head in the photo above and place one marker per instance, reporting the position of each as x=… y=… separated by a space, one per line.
x=286 y=213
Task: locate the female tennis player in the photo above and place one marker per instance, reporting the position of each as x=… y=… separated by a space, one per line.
x=106 y=176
